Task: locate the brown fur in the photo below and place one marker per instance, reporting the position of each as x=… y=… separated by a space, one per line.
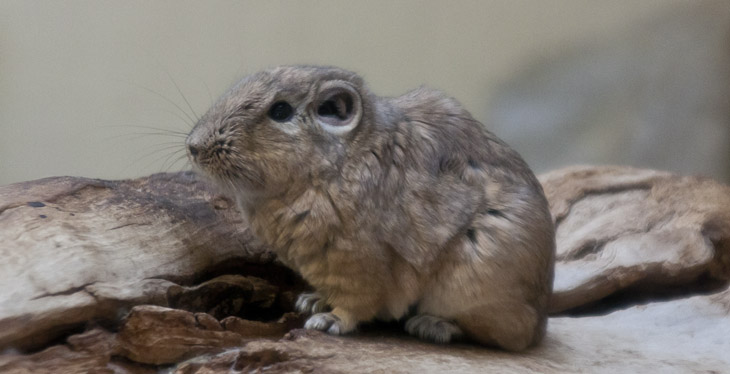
x=417 y=205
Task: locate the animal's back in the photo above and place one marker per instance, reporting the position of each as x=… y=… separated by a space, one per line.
x=487 y=213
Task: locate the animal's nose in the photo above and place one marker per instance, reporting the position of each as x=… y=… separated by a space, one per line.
x=193 y=149
x=194 y=145
x=198 y=142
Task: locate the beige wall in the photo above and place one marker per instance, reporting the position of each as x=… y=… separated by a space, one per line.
x=77 y=76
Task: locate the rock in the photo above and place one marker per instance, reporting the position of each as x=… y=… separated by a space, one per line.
x=256 y=329
x=157 y=335
x=97 y=341
x=149 y=335
x=641 y=284
x=78 y=249
x=57 y=359
x=621 y=229
x=680 y=336
x=227 y=295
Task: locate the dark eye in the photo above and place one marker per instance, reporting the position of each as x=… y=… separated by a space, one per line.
x=281 y=111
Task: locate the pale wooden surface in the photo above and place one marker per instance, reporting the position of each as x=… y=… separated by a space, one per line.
x=622 y=228
x=643 y=259
x=75 y=249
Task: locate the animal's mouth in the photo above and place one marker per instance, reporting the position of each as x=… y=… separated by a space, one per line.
x=218 y=156
x=210 y=149
x=215 y=157
x=231 y=175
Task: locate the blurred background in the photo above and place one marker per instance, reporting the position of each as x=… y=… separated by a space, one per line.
x=95 y=88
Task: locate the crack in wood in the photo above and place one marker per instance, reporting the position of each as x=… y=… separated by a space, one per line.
x=67 y=292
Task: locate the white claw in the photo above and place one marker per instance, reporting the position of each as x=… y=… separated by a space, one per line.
x=433 y=328
x=311 y=303
x=324 y=322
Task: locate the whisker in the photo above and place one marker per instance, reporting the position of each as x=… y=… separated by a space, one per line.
x=173 y=154
x=181 y=118
x=157 y=129
x=152 y=153
x=158 y=159
x=163 y=97
x=137 y=136
x=195 y=115
x=178 y=159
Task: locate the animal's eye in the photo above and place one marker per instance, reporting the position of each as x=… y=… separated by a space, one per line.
x=281 y=111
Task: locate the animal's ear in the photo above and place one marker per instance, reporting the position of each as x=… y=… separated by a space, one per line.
x=338 y=107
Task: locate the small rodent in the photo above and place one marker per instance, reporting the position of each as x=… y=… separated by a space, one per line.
x=388 y=207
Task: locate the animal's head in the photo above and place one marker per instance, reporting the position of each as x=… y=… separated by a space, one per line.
x=280 y=128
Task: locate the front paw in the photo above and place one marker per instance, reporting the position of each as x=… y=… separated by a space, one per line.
x=311 y=303
x=327 y=322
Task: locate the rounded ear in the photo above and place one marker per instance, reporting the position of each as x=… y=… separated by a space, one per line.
x=337 y=107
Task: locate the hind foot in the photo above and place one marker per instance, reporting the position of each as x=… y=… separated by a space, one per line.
x=433 y=328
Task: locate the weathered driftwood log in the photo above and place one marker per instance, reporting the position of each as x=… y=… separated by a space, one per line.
x=651 y=233
x=76 y=250
x=161 y=272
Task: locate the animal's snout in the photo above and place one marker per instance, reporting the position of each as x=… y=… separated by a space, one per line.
x=193 y=149
x=195 y=143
